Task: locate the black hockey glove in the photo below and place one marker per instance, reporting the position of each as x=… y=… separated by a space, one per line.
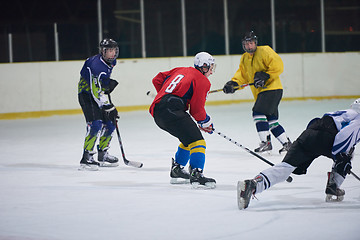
x=110 y=112
x=260 y=79
x=229 y=87
x=343 y=163
x=113 y=83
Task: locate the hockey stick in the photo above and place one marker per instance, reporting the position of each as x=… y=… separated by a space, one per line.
x=127 y=162
x=356 y=176
x=235 y=88
x=153 y=95
x=351 y=172
x=289 y=179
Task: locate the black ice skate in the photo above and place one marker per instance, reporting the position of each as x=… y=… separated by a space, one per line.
x=245 y=190
x=198 y=180
x=286 y=146
x=178 y=174
x=88 y=163
x=106 y=160
x=333 y=193
x=264 y=146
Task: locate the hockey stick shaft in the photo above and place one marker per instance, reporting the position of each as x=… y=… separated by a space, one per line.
x=153 y=95
x=236 y=88
x=356 y=176
x=289 y=179
x=127 y=162
x=351 y=151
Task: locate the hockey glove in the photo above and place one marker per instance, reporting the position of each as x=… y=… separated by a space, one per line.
x=229 y=87
x=112 y=84
x=110 y=112
x=206 y=125
x=260 y=79
x=343 y=163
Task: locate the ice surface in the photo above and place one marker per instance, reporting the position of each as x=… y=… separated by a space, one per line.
x=44 y=196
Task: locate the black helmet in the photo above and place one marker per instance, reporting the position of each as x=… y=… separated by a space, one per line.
x=105 y=44
x=249 y=36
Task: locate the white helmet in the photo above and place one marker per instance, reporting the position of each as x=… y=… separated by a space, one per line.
x=204 y=59
x=356 y=105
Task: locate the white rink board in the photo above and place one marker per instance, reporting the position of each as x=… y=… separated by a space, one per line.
x=44 y=86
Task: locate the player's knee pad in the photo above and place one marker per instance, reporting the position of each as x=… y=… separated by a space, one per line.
x=182 y=155
x=197 y=154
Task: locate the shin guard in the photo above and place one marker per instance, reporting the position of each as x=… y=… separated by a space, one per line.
x=182 y=155
x=93 y=129
x=197 y=154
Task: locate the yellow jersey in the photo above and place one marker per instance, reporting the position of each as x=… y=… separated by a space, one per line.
x=265 y=59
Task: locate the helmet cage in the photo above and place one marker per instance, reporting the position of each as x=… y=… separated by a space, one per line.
x=249 y=37
x=105 y=45
x=203 y=62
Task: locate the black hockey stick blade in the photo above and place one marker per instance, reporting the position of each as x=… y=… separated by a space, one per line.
x=236 y=88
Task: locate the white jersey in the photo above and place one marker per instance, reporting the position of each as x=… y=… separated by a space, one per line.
x=348 y=123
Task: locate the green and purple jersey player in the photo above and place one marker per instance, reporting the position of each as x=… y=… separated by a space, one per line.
x=94 y=90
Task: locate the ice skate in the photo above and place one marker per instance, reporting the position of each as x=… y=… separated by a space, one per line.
x=245 y=190
x=333 y=193
x=264 y=146
x=286 y=147
x=107 y=160
x=88 y=163
x=198 y=180
x=178 y=174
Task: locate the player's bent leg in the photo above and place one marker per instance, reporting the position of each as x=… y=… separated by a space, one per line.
x=245 y=190
x=104 y=158
x=273 y=175
x=87 y=161
x=262 y=127
x=264 y=180
x=197 y=162
x=182 y=155
x=178 y=174
x=332 y=191
x=93 y=129
x=279 y=132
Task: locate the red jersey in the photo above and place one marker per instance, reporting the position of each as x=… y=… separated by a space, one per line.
x=186 y=82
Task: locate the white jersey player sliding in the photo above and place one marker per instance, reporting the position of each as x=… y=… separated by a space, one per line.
x=334 y=135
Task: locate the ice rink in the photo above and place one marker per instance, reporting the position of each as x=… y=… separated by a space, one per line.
x=45 y=197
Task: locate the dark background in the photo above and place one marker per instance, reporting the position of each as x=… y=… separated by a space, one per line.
x=298 y=27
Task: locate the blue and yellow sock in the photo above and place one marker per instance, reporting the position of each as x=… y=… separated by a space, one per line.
x=197 y=154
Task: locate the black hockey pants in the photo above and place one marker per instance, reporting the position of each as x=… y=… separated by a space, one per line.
x=317 y=140
x=170 y=115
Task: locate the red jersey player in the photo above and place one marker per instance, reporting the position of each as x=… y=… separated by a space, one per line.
x=181 y=96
